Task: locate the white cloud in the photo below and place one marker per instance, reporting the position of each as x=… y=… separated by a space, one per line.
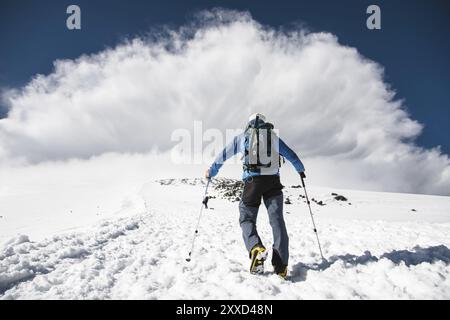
x=330 y=103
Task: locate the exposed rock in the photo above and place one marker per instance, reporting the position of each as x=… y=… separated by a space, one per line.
x=229 y=189
x=320 y=203
x=166 y=182
x=340 y=198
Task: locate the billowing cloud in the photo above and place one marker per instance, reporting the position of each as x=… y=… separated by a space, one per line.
x=330 y=103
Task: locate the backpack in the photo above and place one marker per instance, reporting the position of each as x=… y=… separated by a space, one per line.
x=260 y=153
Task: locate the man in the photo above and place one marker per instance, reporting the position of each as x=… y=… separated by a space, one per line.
x=261 y=149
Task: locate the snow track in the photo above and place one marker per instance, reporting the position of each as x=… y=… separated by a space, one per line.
x=143 y=256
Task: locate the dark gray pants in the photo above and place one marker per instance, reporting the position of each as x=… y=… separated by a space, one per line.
x=269 y=189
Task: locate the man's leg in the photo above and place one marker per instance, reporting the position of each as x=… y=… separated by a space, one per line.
x=248 y=212
x=274 y=207
x=247 y=220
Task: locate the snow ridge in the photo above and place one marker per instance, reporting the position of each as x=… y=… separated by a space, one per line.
x=142 y=256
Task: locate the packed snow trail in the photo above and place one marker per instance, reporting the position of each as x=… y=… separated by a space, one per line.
x=143 y=256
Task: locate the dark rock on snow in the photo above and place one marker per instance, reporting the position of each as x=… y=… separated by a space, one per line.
x=338 y=197
x=320 y=203
x=229 y=189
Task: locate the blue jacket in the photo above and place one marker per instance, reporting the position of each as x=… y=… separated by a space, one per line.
x=238 y=146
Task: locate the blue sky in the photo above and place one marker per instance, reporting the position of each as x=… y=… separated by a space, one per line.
x=413 y=44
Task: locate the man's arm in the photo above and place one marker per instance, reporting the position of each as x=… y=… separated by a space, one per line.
x=287 y=152
x=230 y=150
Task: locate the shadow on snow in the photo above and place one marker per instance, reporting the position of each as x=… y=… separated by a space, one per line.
x=410 y=258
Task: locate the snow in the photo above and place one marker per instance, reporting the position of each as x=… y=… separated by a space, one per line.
x=376 y=248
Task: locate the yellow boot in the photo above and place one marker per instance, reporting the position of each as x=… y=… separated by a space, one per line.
x=282 y=273
x=258 y=254
x=279 y=267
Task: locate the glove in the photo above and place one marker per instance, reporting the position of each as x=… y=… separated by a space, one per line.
x=302 y=175
x=207 y=174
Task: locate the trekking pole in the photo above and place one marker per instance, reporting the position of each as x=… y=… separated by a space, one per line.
x=205 y=203
x=312 y=219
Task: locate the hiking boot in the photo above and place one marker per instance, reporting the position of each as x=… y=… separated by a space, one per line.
x=281 y=272
x=258 y=254
x=278 y=267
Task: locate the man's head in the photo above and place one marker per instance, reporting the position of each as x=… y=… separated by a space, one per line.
x=259 y=115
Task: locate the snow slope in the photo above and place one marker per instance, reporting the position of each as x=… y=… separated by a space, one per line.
x=376 y=247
